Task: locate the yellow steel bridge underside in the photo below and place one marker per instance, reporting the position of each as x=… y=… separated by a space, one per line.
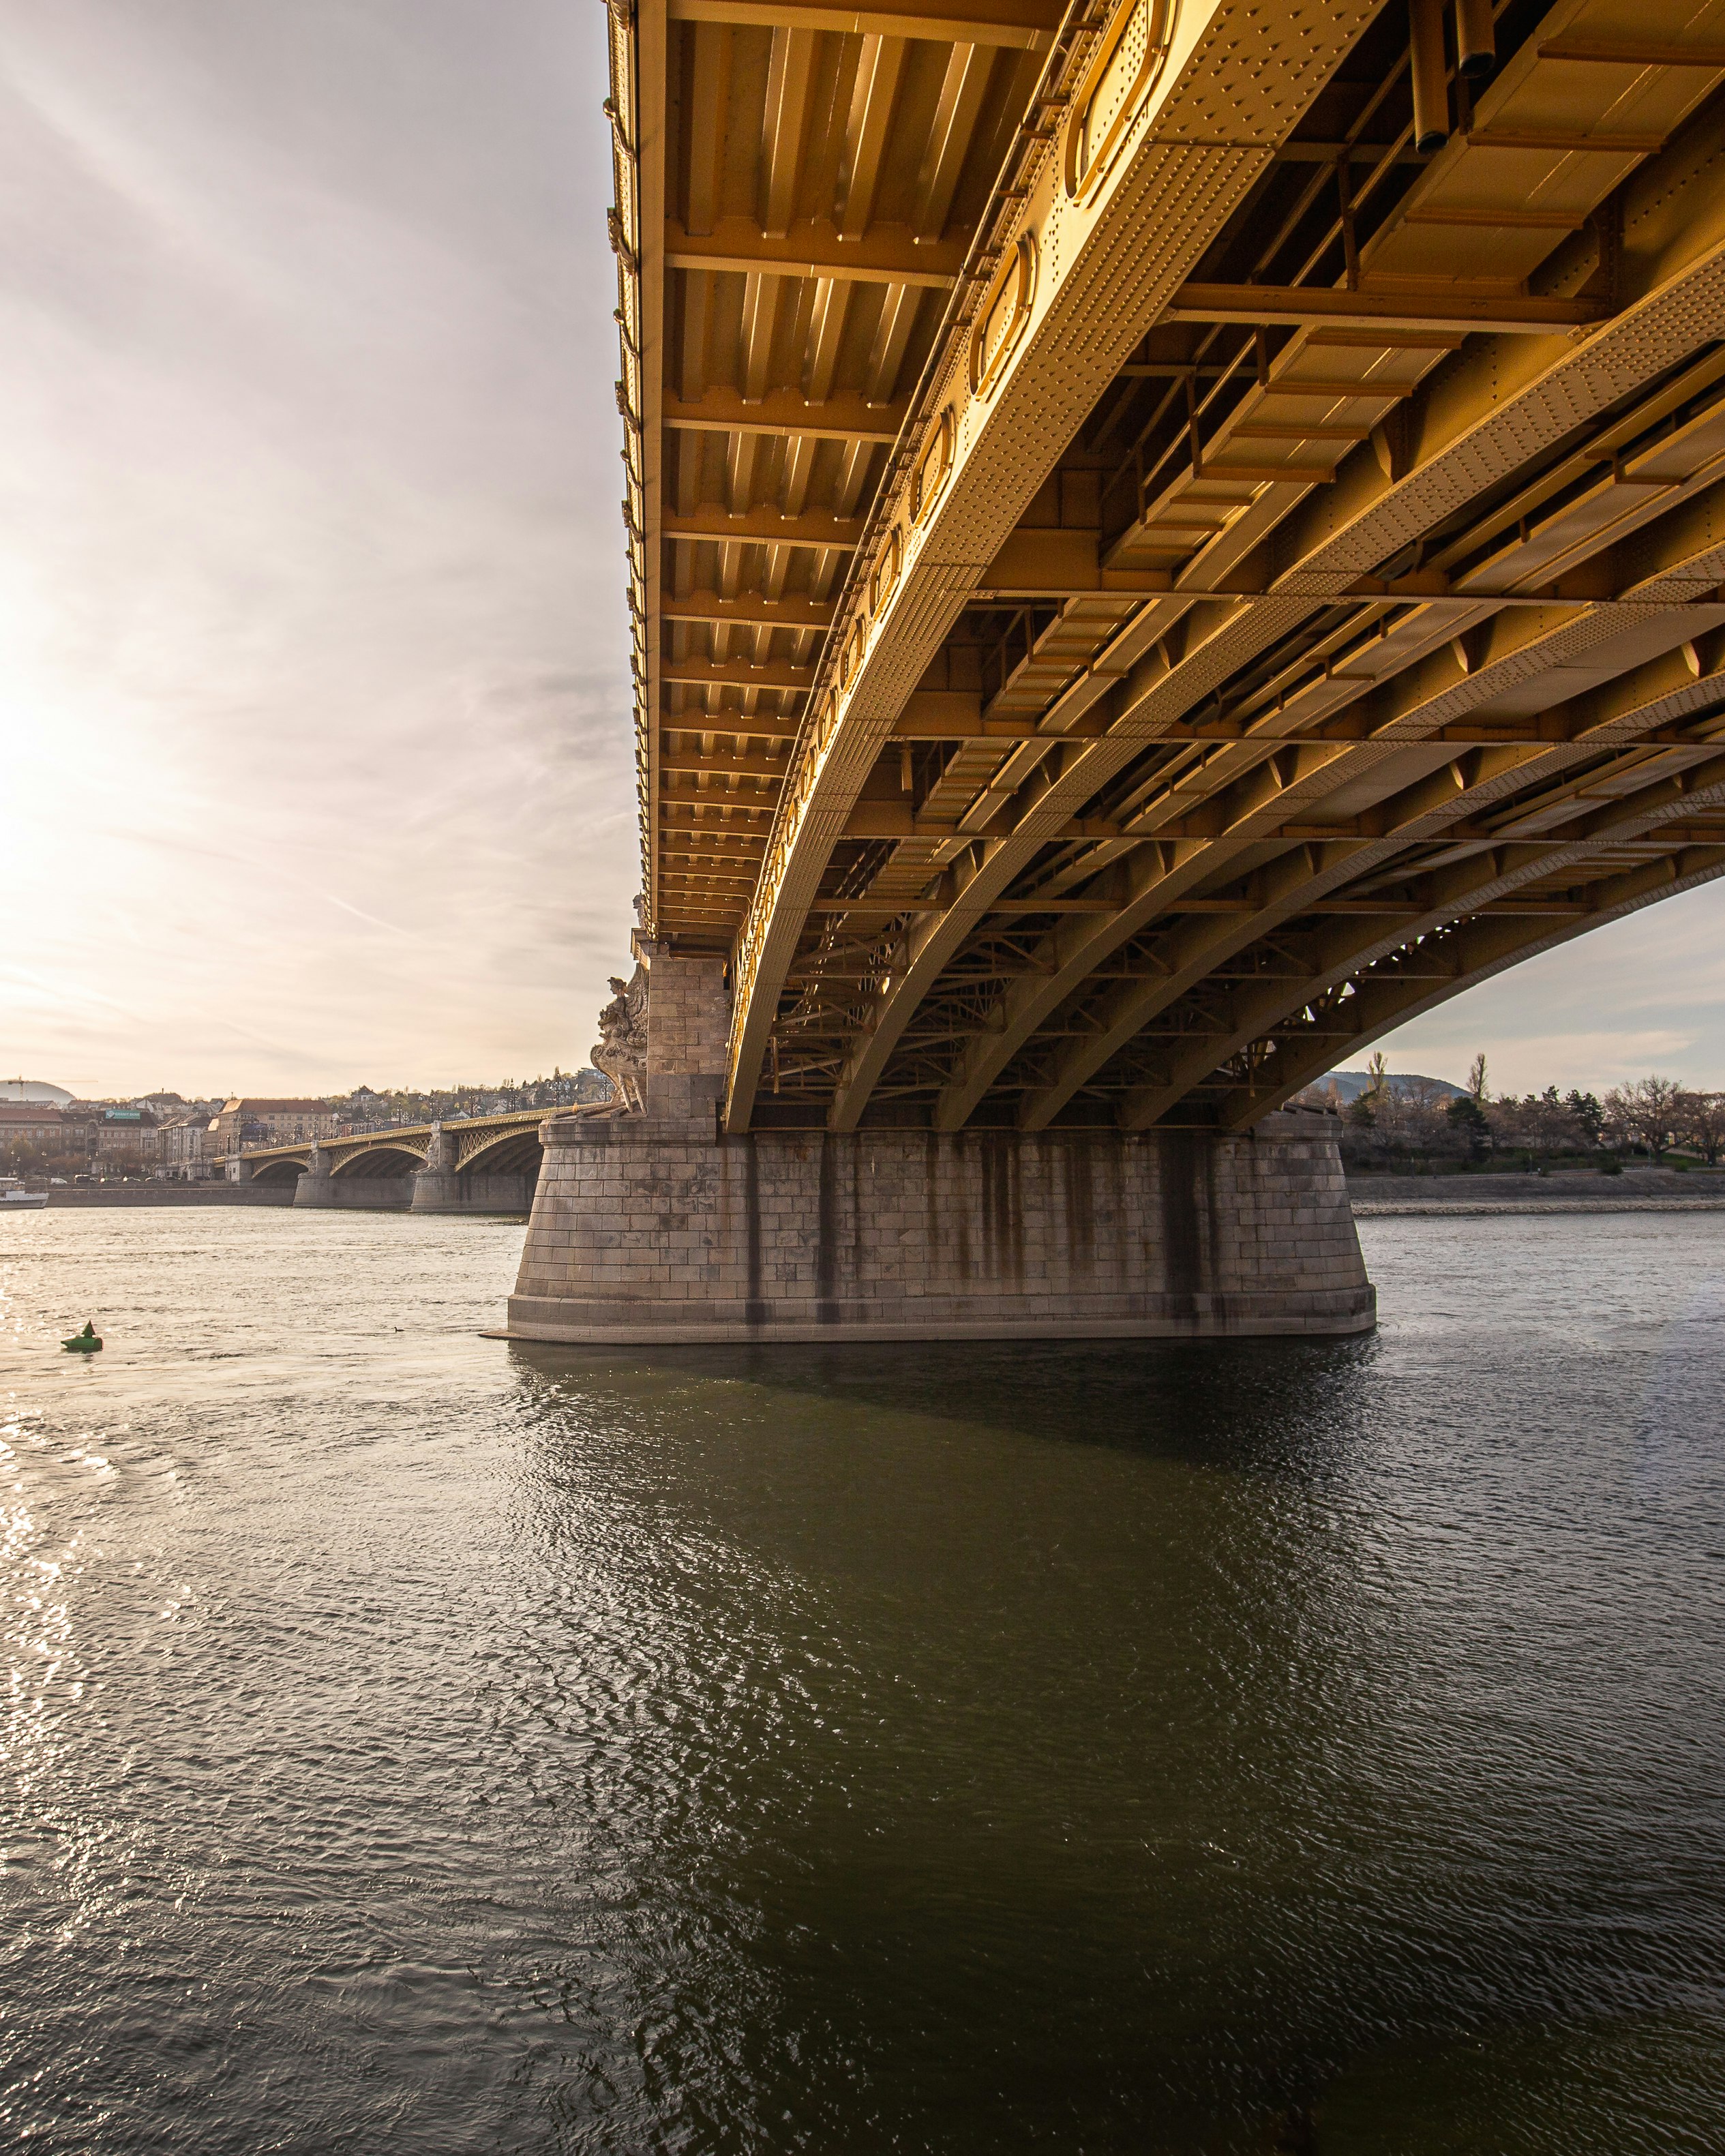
x=1167 y=540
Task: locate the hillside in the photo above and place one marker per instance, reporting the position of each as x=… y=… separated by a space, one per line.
x=1349 y=1085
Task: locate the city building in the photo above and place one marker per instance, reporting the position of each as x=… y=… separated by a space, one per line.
x=30 y=1123
x=244 y=1122
x=183 y=1153
x=34 y=1092
x=125 y=1138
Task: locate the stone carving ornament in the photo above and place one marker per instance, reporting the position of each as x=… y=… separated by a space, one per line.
x=621 y=1050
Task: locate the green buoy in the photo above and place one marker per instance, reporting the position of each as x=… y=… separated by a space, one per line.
x=86 y=1343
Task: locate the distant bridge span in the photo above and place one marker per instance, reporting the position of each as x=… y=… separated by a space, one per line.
x=477 y=1163
x=1147 y=573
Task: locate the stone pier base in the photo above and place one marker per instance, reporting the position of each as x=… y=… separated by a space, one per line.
x=649 y=1228
x=374 y=1193
x=436 y=1190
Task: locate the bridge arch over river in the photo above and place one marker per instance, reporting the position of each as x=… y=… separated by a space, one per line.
x=1164 y=541
x=485 y=1164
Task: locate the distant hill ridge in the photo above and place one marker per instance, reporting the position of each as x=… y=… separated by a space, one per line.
x=1349 y=1085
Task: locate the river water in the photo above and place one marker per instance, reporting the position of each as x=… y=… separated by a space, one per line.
x=419 y=1742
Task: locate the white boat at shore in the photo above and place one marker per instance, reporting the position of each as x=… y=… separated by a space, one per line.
x=16 y=1200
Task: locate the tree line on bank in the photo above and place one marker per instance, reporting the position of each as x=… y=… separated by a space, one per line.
x=1398 y=1121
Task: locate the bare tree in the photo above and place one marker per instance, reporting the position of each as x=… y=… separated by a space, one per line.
x=1644 y=1114
x=1700 y=1123
x=1411 y=1120
x=1545 y=1122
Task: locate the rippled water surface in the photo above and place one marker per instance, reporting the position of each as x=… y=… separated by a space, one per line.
x=419 y=1742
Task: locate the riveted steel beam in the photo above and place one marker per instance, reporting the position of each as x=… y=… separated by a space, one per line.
x=764 y=527
x=732 y=672
x=1082 y=326
x=1024 y=25
x=834 y=418
x=1299 y=307
x=814 y=247
x=750 y=608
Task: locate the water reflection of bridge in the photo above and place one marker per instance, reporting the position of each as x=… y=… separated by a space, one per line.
x=477 y=1164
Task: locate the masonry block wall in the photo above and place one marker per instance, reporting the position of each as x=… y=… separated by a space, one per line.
x=644 y=1230
x=688 y=1025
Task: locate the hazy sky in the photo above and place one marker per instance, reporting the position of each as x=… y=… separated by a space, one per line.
x=314 y=753
x=315 y=757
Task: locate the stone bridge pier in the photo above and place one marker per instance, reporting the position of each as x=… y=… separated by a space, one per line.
x=657 y=1226
x=321 y=1186
x=436 y=1187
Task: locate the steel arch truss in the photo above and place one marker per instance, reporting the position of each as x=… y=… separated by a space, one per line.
x=1121 y=606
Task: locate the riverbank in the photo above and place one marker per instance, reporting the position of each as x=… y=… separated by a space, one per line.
x=1565 y=1190
x=176 y=1194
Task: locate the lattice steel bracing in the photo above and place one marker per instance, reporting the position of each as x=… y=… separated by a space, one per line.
x=1162 y=544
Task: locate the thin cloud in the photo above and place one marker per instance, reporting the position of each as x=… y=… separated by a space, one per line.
x=359 y=913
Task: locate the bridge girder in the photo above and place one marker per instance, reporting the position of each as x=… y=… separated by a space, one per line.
x=508 y=1153
x=1432 y=805
x=287 y=1169
x=1257 y=518
x=1484 y=949
x=379 y=1157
